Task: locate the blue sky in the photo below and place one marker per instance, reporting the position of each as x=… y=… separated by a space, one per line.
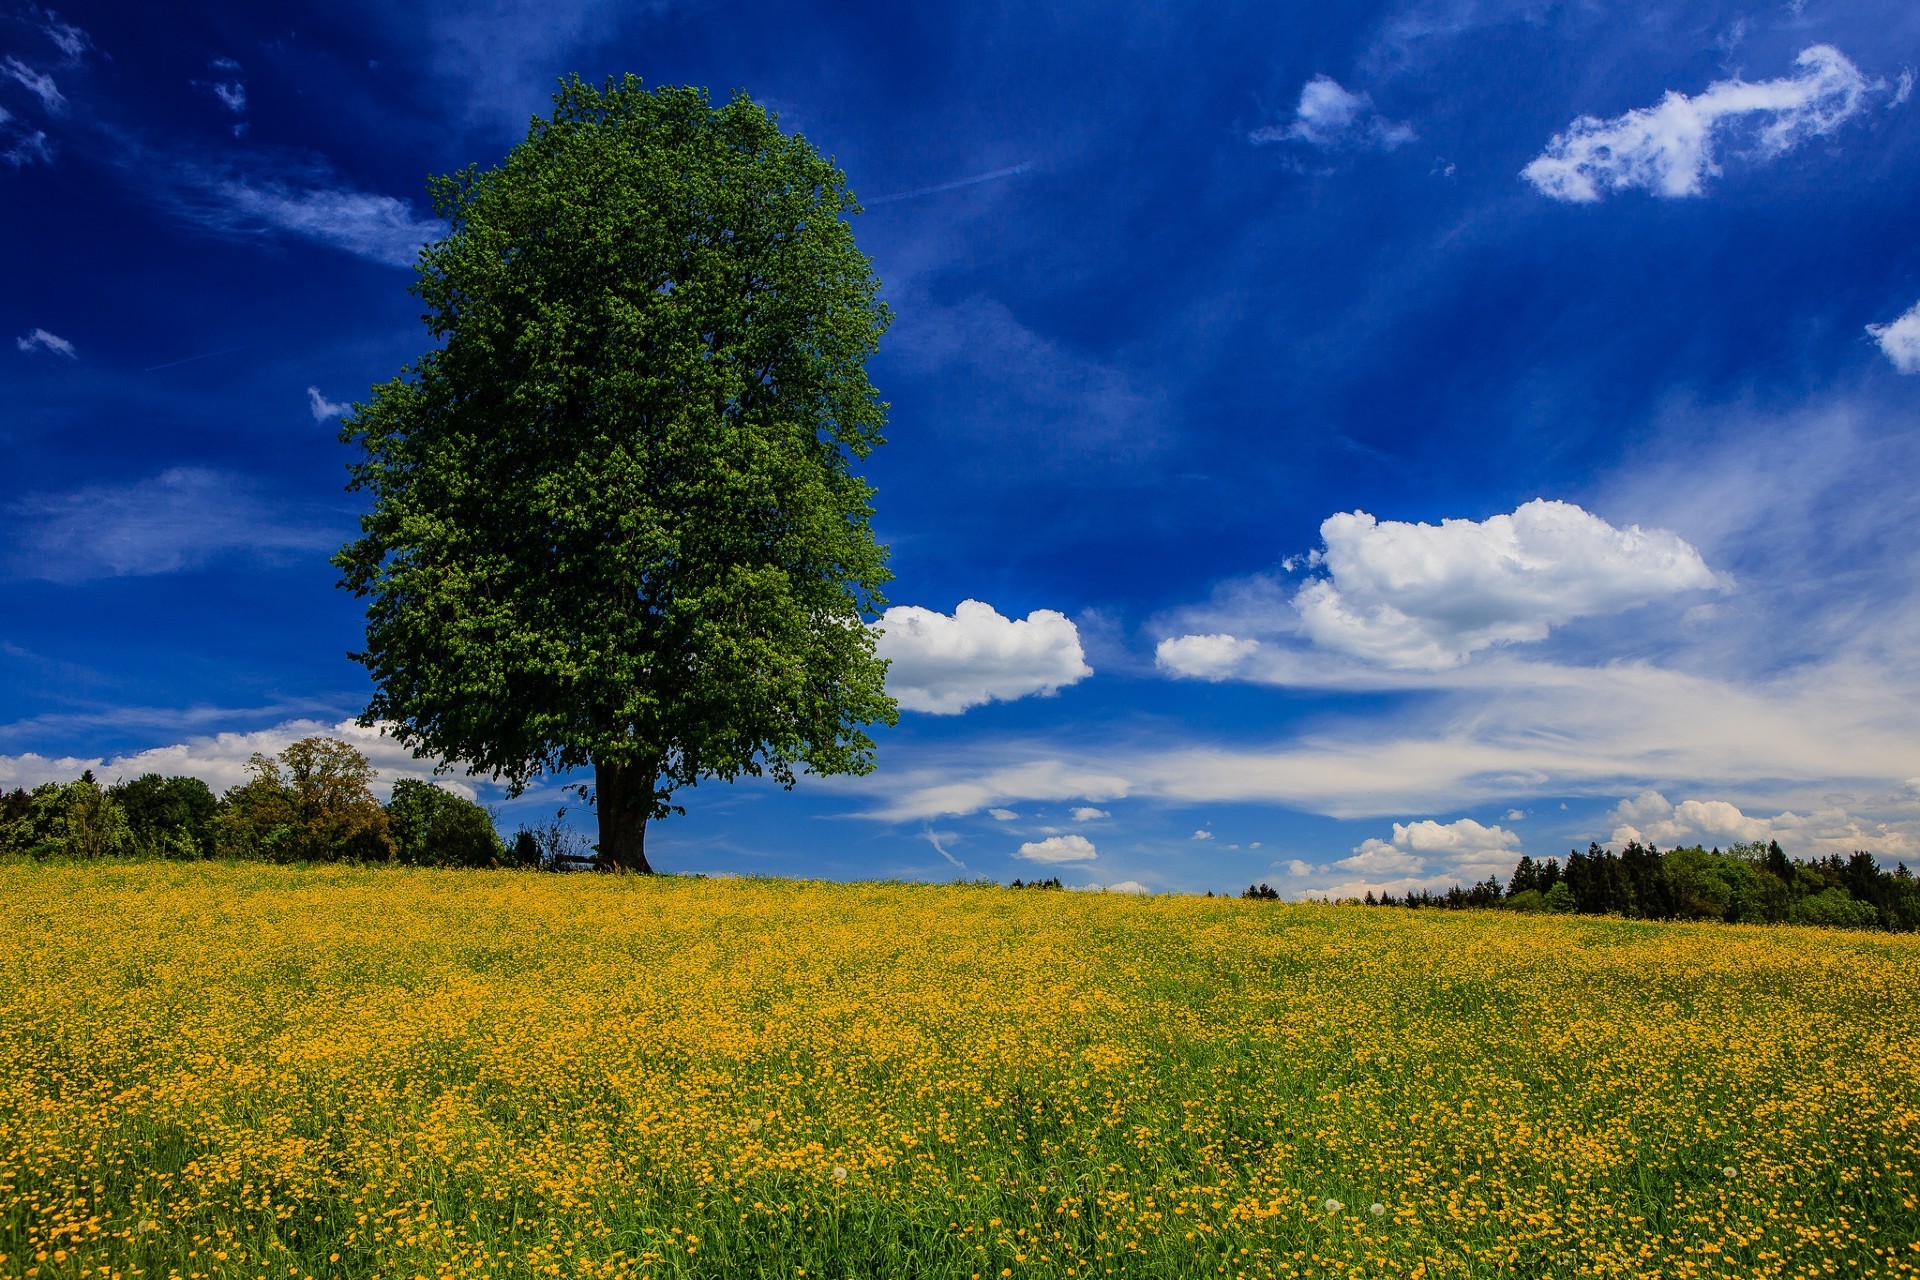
x=1377 y=441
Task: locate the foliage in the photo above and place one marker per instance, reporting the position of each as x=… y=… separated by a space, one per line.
x=615 y=522
x=1051 y=882
x=1748 y=884
x=313 y=804
x=431 y=826
x=456 y=1073
x=1261 y=892
x=67 y=820
x=169 y=817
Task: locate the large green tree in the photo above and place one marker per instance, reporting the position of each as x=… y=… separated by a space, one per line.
x=615 y=522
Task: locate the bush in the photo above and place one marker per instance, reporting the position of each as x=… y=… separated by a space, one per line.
x=1559 y=898
x=432 y=826
x=1836 y=908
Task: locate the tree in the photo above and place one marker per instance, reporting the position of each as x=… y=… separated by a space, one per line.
x=71 y=820
x=432 y=826
x=313 y=804
x=615 y=522
x=169 y=817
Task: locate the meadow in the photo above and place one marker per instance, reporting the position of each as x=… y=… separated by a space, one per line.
x=219 y=1070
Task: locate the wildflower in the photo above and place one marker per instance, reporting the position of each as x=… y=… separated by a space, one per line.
x=839 y=1173
x=1376 y=1208
x=1729 y=1171
x=1334 y=1206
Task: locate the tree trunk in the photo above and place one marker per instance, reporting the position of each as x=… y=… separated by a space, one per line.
x=623 y=797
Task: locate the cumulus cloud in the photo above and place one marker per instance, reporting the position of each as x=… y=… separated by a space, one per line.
x=1203 y=657
x=324 y=408
x=1124 y=886
x=945 y=663
x=1427 y=596
x=1464 y=849
x=1651 y=818
x=1069 y=848
x=1669 y=149
x=1900 y=340
x=1087 y=813
x=41 y=340
x=220 y=760
x=1333 y=118
x=1002 y=815
x=1202 y=834
x=38 y=83
x=183 y=518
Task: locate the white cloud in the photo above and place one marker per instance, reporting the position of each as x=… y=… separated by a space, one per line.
x=1124 y=886
x=1070 y=848
x=1464 y=849
x=1652 y=819
x=946 y=663
x=220 y=760
x=1296 y=868
x=41 y=340
x=1204 y=657
x=1003 y=815
x=1900 y=340
x=938 y=840
x=1202 y=834
x=1514 y=815
x=1332 y=118
x=379 y=228
x=1427 y=596
x=1669 y=149
x=324 y=408
x=1087 y=813
x=182 y=518
x=232 y=95
x=38 y=83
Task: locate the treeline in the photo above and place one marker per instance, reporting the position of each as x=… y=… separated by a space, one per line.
x=1745 y=884
x=312 y=803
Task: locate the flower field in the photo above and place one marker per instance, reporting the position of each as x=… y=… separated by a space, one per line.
x=259 y=1071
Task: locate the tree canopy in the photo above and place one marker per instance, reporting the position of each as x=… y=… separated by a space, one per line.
x=615 y=521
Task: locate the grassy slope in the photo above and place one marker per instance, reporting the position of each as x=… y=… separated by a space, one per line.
x=256 y=1071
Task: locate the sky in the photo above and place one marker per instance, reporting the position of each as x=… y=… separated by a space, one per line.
x=1335 y=446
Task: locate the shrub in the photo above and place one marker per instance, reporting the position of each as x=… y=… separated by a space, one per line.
x=432 y=826
x=70 y=820
x=168 y=817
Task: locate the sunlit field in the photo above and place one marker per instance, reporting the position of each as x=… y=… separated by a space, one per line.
x=254 y=1071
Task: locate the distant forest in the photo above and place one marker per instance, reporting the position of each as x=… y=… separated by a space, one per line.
x=312 y=803
x=1745 y=884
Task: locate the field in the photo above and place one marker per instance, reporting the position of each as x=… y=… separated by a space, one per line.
x=252 y=1071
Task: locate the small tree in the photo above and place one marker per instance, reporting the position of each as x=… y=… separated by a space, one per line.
x=434 y=827
x=313 y=804
x=615 y=523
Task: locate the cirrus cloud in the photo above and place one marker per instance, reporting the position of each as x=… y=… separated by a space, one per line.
x=1669 y=149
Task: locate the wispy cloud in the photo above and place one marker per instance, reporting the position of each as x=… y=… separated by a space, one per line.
x=183 y=518
x=955 y=185
x=324 y=408
x=41 y=340
x=72 y=42
x=1334 y=118
x=38 y=83
x=1670 y=149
